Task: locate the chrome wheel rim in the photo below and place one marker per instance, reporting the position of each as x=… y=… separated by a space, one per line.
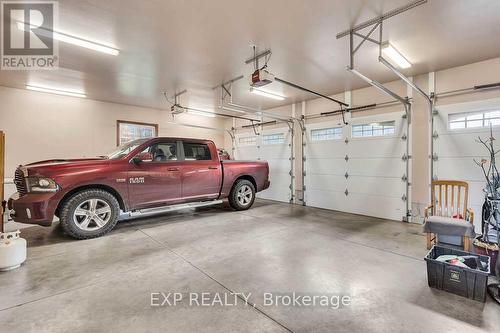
x=92 y=214
x=244 y=195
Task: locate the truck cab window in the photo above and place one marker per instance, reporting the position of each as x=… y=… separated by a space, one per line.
x=196 y=152
x=163 y=151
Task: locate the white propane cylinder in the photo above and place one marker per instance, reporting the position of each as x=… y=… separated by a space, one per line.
x=12 y=250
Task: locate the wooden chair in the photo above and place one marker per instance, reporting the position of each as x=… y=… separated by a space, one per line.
x=448 y=213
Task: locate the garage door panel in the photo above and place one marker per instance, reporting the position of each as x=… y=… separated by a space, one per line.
x=372 y=205
x=376 y=167
x=326 y=166
x=275 y=151
x=376 y=148
x=278 y=165
x=460 y=144
x=460 y=168
x=330 y=182
x=476 y=194
x=456 y=149
x=326 y=199
x=388 y=187
x=329 y=149
x=247 y=153
x=278 y=193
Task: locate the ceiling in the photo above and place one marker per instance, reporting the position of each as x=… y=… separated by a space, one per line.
x=197 y=44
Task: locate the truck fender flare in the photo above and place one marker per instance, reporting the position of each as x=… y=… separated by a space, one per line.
x=80 y=188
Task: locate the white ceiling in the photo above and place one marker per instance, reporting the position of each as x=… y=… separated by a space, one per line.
x=196 y=44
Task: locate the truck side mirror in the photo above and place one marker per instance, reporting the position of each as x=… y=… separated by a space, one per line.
x=143 y=157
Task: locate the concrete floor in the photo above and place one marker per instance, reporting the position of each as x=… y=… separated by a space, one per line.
x=105 y=284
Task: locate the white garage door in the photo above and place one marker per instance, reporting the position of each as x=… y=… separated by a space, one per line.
x=272 y=146
x=456 y=131
x=358 y=168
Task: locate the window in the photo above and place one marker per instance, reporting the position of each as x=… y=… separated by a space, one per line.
x=163 y=151
x=273 y=139
x=474 y=119
x=324 y=134
x=386 y=128
x=248 y=141
x=196 y=152
x=128 y=131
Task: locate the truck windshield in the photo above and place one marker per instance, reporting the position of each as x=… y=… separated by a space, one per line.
x=126 y=148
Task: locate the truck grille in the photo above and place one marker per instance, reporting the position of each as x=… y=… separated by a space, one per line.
x=20 y=182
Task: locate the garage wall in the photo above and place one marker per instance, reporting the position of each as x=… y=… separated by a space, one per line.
x=42 y=126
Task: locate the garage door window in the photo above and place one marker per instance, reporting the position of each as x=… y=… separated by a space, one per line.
x=273 y=139
x=386 y=128
x=248 y=141
x=324 y=134
x=474 y=119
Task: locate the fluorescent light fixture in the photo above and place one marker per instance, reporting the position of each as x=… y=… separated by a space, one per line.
x=266 y=94
x=225 y=108
x=56 y=91
x=70 y=39
x=201 y=113
x=396 y=56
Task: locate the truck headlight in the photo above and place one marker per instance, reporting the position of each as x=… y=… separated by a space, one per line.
x=41 y=184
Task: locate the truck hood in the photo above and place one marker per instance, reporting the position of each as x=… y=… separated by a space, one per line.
x=55 y=167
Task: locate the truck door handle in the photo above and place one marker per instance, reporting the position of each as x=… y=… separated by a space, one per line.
x=213 y=168
x=173 y=169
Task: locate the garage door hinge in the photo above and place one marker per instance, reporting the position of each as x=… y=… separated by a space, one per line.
x=346 y=175
x=404 y=116
x=405 y=157
x=435 y=135
x=404 y=178
x=304 y=173
x=346 y=158
x=435 y=111
x=346 y=140
x=434 y=157
x=303 y=159
x=404 y=137
x=346 y=192
x=303 y=188
x=403 y=197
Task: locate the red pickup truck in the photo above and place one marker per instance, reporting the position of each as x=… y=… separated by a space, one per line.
x=146 y=176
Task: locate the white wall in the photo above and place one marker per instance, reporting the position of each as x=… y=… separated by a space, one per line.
x=42 y=126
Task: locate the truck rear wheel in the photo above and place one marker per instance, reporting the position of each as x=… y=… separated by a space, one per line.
x=242 y=195
x=89 y=214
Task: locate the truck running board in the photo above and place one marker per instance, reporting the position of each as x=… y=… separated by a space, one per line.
x=171 y=208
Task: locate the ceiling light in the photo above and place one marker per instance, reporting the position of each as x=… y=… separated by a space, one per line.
x=266 y=94
x=201 y=113
x=56 y=91
x=70 y=39
x=396 y=56
x=225 y=108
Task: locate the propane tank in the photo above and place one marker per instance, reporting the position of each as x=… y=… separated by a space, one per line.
x=12 y=250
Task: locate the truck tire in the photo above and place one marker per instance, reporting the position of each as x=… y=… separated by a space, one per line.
x=89 y=214
x=242 y=195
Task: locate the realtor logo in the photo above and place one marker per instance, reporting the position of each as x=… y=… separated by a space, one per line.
x=28 y=35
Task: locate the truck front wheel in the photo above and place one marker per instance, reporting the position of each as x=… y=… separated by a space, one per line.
x=89 y=214
x=242 y=195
